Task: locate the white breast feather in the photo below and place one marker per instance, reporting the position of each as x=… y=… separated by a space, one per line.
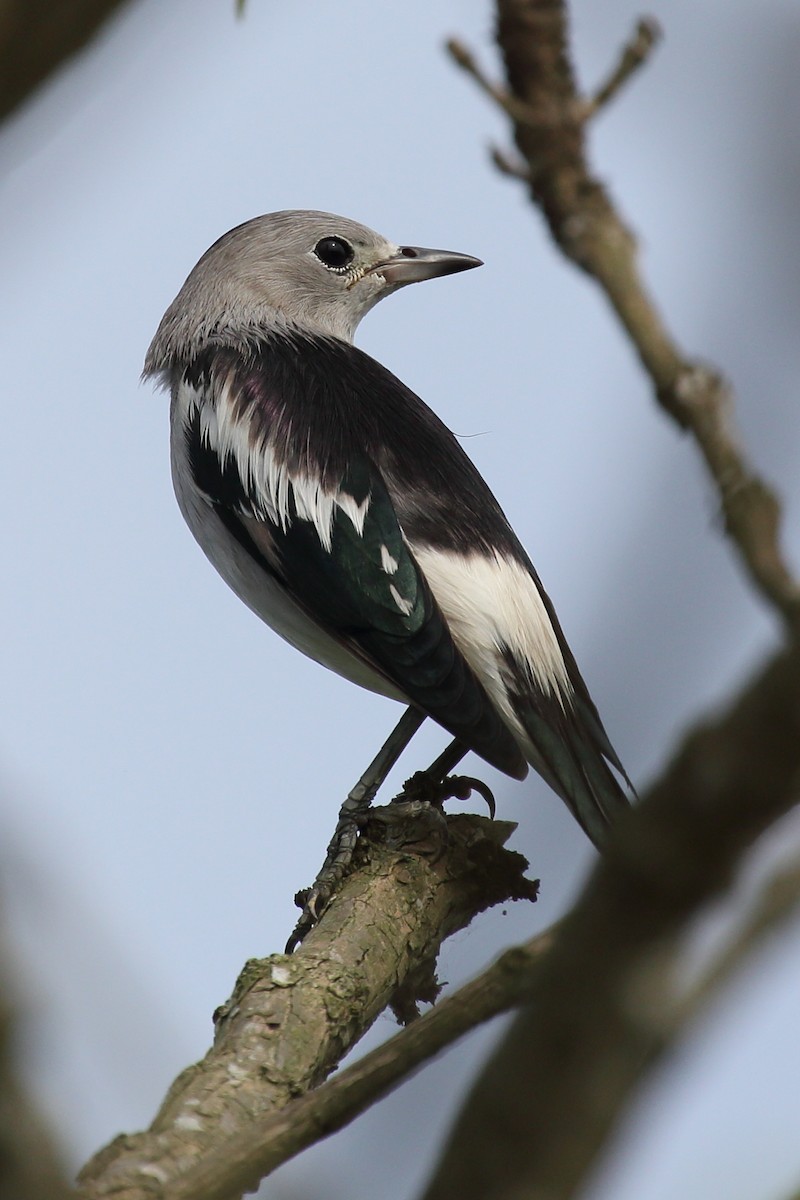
x=268 y=481
x=259 y=591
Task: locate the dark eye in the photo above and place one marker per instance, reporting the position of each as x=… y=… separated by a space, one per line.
x=334 y=252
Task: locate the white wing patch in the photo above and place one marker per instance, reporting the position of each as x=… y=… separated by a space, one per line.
x=267 y=481
x=490 y=602
x=388 y=562
x=404 y=605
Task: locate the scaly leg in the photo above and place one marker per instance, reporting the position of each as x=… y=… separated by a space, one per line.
x=340 y=849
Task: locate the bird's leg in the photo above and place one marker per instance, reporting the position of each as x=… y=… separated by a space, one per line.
x=437 y=784
x=340 y=849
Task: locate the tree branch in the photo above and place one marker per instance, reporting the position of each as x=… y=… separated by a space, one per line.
x=508 y=982
x=279 y=1137
x=634 y=55
x=776 y=904
x=37 y=36
x=619 y=938
x=234 y=1116
x=545 y=1106
x=549 y=120
x=291 y=1019
x=30 y=1166
x=605 y=1004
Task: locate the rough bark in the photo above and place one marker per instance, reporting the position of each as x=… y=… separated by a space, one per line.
x=291 y=1019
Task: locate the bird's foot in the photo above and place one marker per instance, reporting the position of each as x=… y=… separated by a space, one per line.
x=413 y=818
x=352 y=818
x=314 y=900
x=422 y=786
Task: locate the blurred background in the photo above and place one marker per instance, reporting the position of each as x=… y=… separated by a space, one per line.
x=171 y=771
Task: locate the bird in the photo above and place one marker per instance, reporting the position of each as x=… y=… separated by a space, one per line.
x=348 y=517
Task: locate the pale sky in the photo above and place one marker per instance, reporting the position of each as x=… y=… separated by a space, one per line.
x=171 y=770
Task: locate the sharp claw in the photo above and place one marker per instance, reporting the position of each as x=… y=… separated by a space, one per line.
x=313 y=901
x=460 y=787
x=298 y=933
x=486 y=792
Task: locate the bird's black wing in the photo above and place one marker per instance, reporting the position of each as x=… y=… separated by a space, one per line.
x=338 y=551
x=447 y=510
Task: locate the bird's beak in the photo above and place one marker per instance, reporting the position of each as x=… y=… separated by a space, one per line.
x=414 y=263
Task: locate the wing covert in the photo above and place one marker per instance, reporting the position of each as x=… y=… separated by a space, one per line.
x=341 y=556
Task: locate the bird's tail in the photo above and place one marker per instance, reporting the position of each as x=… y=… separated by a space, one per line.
x=570 y=749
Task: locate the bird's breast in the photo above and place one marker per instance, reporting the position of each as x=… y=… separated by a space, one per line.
x=247 y=572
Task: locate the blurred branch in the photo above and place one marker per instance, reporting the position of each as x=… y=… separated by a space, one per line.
x=605 y=1006
x=548 y=115
x=291 y=1019
x=543 y=1109
x=29 y=1161
x=776 y=904
x=37 y=36
x=634 y=55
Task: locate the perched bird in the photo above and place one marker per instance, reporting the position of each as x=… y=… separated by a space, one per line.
x=348 y=517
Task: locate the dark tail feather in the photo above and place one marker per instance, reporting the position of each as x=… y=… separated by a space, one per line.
x=573 y=753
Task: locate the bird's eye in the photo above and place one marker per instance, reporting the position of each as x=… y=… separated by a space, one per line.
x=334 y=252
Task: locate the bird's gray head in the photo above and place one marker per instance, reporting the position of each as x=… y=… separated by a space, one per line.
x=294 y=268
